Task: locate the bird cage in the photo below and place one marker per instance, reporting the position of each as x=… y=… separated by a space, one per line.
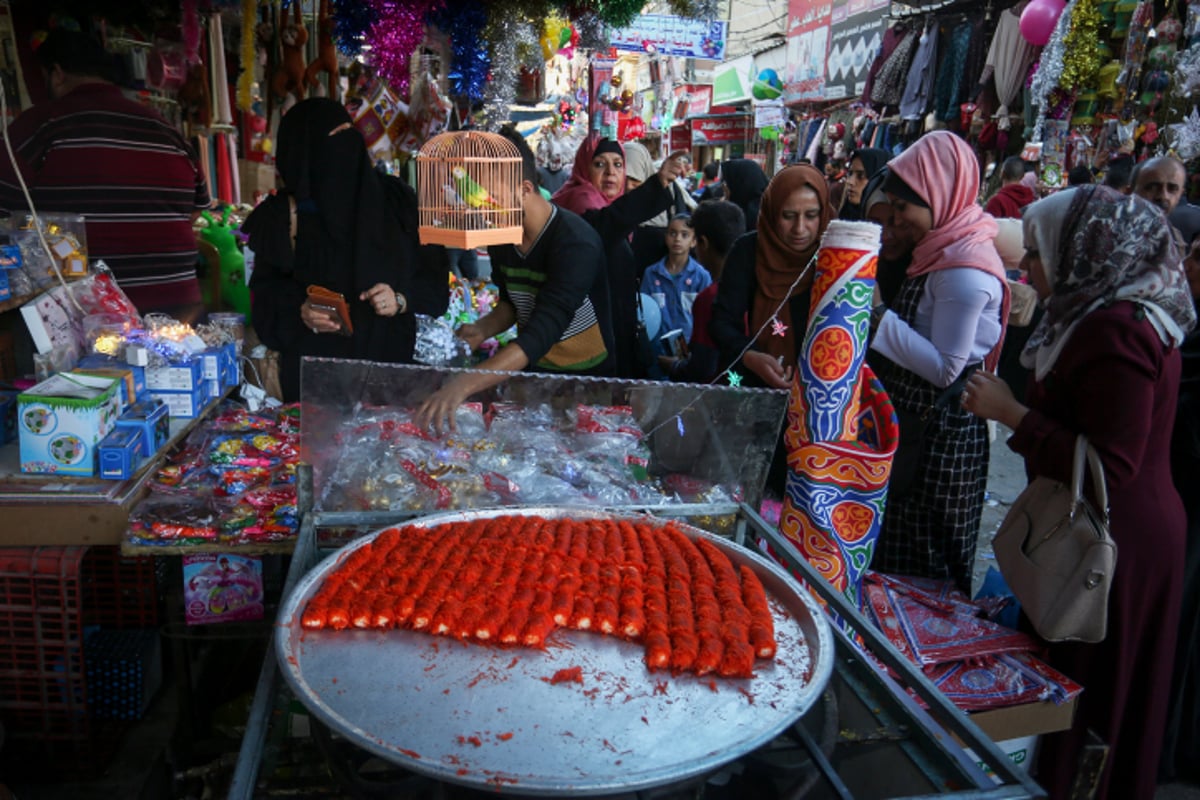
x=469 y=187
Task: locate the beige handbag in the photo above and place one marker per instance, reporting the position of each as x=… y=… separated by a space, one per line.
x=1056 y=554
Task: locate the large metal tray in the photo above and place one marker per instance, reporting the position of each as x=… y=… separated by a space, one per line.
x=489 y=717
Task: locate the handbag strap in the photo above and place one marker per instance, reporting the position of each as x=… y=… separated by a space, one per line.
x=1084 y=450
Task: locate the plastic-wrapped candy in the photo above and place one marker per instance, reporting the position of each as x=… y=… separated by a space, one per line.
x=438 y=345
x=174 y=520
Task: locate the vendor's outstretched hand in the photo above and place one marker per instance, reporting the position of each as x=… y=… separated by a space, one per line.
x=768 y=368
x=437 y=411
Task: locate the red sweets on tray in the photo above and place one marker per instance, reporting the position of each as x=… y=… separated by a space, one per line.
x=513 y=580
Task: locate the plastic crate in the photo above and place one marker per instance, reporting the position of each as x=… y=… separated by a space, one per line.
x=45 y=594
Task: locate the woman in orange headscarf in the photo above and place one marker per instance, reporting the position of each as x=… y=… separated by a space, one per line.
x=761 y=309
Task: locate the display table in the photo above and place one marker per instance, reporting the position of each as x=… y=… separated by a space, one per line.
x=46 y=509
x=868 y=737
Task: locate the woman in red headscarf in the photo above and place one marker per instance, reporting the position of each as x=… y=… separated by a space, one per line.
x=767 y=277
x=947 y=319
x=596 y=192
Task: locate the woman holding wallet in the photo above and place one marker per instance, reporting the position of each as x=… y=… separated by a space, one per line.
x=339 y=271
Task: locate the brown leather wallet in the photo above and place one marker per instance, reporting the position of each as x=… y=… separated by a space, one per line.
x=334 y=303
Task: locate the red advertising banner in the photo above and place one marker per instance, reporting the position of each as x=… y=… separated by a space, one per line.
x=807 y=49
x=715 y=130
x=681 y=139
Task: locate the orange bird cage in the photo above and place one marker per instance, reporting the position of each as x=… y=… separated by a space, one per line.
x=469 y=187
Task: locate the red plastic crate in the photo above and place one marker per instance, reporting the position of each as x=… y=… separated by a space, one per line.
x=47 y=596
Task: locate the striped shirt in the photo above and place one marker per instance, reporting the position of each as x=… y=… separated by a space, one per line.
x=131 y=175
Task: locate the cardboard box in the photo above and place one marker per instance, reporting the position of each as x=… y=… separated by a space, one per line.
x=120 y=453
x=62 y=419
x=1027 y=719
x=151 y=419
x=8 y=417
x=222 y=588
x=185 y=377
x=124 y=377
x=183 y=405
x=98 y=361
x=1021 y=751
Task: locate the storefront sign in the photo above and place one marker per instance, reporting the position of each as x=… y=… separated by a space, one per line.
x=855 y=36
x=769 y=114
x=807 y=44
x=699 y=99
x=681 y=139
x=732 y=81
x=673 y=36
x=714 y=130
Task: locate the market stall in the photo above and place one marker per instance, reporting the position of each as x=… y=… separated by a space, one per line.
x=847 y=703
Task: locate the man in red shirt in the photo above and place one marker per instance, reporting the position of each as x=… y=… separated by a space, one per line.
x=1013 y=195
x=93 y=151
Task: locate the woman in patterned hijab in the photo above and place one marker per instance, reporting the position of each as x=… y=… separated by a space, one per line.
x=1118 y=248
x=1107 y=366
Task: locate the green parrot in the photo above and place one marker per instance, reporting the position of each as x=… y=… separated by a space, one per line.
x=471 y=192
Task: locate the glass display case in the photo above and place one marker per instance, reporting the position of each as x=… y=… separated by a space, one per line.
x=533 y=439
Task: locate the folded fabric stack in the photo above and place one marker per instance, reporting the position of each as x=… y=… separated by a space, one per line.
x=978 y=664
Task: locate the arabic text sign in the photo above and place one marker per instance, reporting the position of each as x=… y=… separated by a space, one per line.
x=674 y=36
x=807 y=44
x=715 y=130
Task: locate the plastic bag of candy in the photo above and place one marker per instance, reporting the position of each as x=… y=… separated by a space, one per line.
x=163 y=520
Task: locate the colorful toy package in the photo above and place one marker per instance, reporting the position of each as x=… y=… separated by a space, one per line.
x=222 y=587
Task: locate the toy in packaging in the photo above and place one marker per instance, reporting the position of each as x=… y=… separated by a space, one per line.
x=222 y=587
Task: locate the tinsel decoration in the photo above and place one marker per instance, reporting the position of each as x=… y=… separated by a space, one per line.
x=1050 y=67
x=1185 y=136
x=504 y=32
x=695 y=9
x=352 y=19
x=245 y=98
x=463 y=22
x=398 y=30
x=190 y=27
x=592 y=33
x=1187 y=71
x=1081 y=57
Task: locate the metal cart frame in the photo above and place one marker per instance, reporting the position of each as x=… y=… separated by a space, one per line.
x=930 y=720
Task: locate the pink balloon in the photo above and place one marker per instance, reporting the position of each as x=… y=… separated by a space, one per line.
x=1038 y=20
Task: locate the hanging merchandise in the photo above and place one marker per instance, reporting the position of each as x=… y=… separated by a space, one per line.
x=246 y=76
x=464 y=23
x=1135 y=49
x=893 y=73
x=326 y=60
x=950 y=71
x=1038 y=20
x=1050 y=67
x=289 y=75
x=918 y=88
x=1008 y=60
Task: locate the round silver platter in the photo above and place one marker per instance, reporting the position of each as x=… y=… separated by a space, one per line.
x=490 y=718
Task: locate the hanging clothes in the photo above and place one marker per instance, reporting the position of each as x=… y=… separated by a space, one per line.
x=1007 y=62
x=918 y=90
x=893 y=73
x=957 y=40
x=891 y=39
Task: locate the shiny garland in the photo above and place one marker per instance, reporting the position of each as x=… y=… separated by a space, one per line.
x=245 y=82
x=508 y=35
x=395 y=36
x=592 y=33
x=352 y=19
x=1050 y=67
x=463 y=21
x=1081 y=58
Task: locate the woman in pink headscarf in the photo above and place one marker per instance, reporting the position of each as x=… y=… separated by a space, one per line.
x=596 y=192
x=947 y=319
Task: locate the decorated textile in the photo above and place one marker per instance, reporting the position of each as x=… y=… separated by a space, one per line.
x=841 y=429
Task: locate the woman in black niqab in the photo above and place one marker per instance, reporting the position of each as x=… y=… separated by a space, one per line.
x=355 y=233
x=745 y=183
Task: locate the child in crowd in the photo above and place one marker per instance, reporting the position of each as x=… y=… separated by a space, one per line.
x=675 y=281
x=715 y=224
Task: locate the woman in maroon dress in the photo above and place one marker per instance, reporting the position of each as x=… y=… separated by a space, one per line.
x=1106 y=364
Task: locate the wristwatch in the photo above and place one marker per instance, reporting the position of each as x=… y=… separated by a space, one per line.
x=401 y=303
